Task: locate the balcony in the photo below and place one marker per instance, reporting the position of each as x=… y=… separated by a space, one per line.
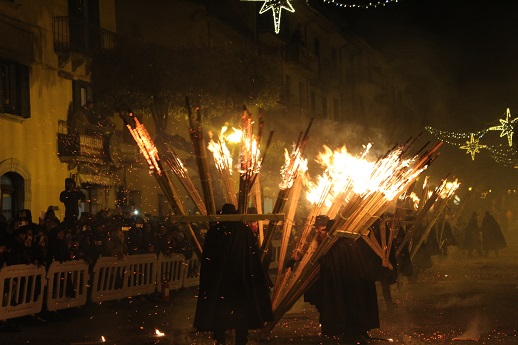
x=77 y=40
x=329 y=75
x=95 y=147
x=297 y=55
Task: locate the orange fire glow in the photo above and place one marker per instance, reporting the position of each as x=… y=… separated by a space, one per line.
x=220 y=152
x=346 y=175
x=293 y=165
x=233 y=137
x=146 y=145
x=449 y=188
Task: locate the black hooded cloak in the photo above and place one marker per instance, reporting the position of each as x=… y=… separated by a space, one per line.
x=233 y=292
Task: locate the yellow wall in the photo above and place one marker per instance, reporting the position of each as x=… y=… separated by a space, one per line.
x=31 y=144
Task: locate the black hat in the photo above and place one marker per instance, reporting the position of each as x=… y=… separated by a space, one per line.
x=228 y=209
x=321 y=220
x=330 y=224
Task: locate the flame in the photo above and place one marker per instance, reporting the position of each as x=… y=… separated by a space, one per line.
x=425 y=182
x=158 y=333
x=340 y=170
x=103 y=339
x=293 y=164
x=250 y=155
x=346 y=175
x=448 y=188
x=145 y=144
x=220 y=152
x=415 y=200
x=234 y=137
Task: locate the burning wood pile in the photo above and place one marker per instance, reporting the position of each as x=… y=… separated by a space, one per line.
x=426 y=211
x=154 y=159
x=351 y=190
x=354 y=192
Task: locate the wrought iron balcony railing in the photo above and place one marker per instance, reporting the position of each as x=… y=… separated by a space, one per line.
x=78 y=36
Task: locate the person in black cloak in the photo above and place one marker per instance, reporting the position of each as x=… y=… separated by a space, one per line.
x=422 y=258
x=233 y=293
x=345 y=292
x=254 y=226
x=385 y=275
x=472 y=239
x=492 y=236
x=445 y=236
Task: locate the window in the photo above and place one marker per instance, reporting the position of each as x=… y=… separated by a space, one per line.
x=324 y=107
x=312 y=101
x=14 y=88
x=334 y=57
x=336 y=109
x=287 y=88
x=12 y=196
x=302 y=94
x=81 y=92
x=317 y=47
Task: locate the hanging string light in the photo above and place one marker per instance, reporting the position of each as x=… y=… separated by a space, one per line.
x=359 y=4
x=500 y=153
x=453 y=138
x=504 y=155
x=276 y=6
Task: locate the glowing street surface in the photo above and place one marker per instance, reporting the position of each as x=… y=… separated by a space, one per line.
x=458 y=301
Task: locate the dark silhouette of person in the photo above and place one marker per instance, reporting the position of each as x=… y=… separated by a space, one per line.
x=492 y=236
x=71 y=197
x=233 y=293
x=121 y=199
x=472 y=236
x=345 y=292
x=254 y=226
x=387 y=276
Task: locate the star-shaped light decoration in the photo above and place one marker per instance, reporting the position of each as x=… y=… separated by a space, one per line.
x=472 y=146
x=276 y=6
x=506 y=127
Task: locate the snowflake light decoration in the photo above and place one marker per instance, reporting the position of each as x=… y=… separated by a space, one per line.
x=472 y=146
x=506 y=127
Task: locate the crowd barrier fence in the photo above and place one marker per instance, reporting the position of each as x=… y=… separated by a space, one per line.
x=21 y=289
x=25 y=288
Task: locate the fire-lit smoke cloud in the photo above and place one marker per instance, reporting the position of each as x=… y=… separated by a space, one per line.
x=475 y=328
x=456 y=301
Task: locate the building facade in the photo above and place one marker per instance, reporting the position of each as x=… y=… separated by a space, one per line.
x=46 y=49
x=45 y=54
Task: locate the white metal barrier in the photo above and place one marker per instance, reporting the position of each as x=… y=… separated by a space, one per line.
x=108 y=279
x=21 y=290
x=170 y=269
x=140 y=277
x=276 y=244
x=192 y=272
x=67 y=284
x=22 y=287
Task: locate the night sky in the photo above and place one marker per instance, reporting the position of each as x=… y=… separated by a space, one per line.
x=461 y=59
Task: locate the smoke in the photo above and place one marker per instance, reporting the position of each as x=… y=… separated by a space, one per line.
x=474 y=330
x=456 y=301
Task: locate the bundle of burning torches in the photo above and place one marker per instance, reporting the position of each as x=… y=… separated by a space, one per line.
x=153 y=157
x=351 y=190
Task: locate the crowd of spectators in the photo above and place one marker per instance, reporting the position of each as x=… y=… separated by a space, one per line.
x=116 y=232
